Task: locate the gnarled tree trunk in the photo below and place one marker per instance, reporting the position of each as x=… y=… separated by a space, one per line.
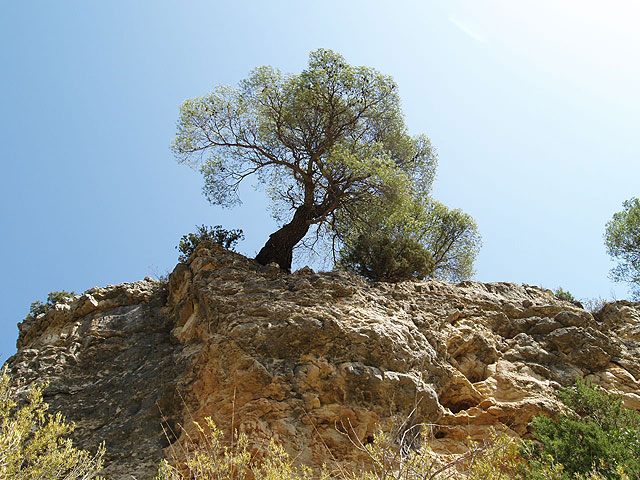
x=279 y=247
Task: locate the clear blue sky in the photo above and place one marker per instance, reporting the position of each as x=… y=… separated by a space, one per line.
x=533 y=106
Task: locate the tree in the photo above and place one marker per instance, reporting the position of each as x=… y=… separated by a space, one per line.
x=452 y=238
x=323 y=142
x=622 y=239
x=415 y=237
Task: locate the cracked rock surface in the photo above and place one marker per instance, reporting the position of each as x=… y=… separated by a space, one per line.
x=298 y=357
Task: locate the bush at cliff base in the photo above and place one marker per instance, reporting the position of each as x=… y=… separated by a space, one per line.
x=596 y=438
x=33 y=444
x=207 y=457
x=387 y=457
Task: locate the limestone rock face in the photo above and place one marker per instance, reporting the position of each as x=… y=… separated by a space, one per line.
x=301 y=357
x=111 y=362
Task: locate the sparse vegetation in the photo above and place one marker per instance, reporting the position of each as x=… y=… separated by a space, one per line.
x=33 y=444
x=207 y=457
x=595 y=304
x=492 y=460
x=564 y=295
x=162 y=278
x=226 y=238
x=38 y=307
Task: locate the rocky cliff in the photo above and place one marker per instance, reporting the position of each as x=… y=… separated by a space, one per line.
x=298 y=357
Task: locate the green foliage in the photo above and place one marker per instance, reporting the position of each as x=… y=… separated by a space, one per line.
x=453 y=239
x=38 y=307
x=382 y=257
x=622 y=239
x=226 y=238
x=564 y=295
x=32 y=443
x=328 y=141
x=406 y=237
x=597 y=436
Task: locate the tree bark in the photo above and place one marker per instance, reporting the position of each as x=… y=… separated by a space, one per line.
x=279 y=247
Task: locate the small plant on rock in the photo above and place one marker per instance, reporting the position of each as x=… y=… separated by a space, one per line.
x=226 y=238
x=595 y=304
x=564 y=295
x=38 y=307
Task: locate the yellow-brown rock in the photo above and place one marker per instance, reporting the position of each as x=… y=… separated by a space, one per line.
x=298 y=357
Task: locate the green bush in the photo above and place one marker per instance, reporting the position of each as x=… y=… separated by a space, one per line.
x=597 y=436
x=32 y=443
x=381 y=257
x=410 y=237
x=564 y=295
x=226 y=238
x=38 y=307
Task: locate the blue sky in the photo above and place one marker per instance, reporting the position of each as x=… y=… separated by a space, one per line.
x=533 y=106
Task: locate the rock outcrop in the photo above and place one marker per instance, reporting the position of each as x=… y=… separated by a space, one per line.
x=300 y=357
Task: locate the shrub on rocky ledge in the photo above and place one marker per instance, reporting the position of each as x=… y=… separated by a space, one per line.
x=381 y=257
x=38 y=307
x=564 y=295
x=226 y=238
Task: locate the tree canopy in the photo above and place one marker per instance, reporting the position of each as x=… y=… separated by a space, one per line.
x=622 y=239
